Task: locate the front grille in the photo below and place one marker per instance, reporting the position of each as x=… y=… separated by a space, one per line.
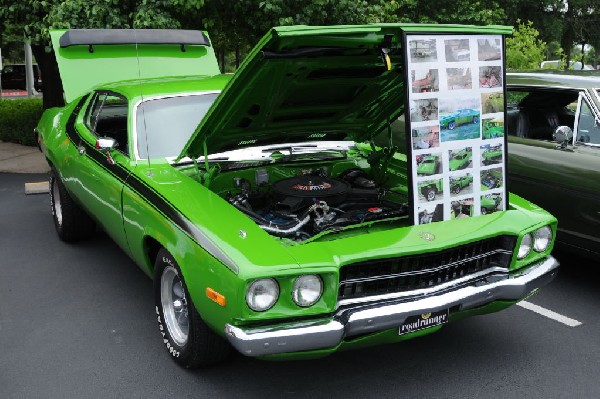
x=408 y=273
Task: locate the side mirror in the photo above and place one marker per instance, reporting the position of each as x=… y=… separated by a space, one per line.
x=563 y=135
x=105 y=144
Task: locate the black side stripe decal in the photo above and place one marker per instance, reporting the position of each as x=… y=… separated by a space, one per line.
x=145 y=192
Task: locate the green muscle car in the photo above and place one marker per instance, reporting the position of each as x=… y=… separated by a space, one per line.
x=430 y=165
x=492 y=128
x=460 y=117
x=458 y=183
x=489 y=204
x=460 y=159
x=491 y=155
x=259 y=203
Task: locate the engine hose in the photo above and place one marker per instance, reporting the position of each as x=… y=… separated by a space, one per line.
x=281 y=232
x=277 y=228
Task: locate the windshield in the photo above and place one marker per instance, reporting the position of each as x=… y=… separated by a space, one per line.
x=164 y=125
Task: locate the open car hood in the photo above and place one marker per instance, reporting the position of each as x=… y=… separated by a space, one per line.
x=304 y=83
x=90 y=57
x=307 y=83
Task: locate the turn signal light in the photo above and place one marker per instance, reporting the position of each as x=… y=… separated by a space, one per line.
x=215 y=296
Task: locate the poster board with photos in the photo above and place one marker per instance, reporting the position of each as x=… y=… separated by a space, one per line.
x=456 y=125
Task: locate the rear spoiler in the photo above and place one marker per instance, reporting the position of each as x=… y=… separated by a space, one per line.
x=91 y=37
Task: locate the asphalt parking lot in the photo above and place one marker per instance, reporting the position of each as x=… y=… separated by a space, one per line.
x=77 y=321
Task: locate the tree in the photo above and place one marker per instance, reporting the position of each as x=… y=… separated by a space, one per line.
x=472 y=12
x=524 y=50
x=33 y=18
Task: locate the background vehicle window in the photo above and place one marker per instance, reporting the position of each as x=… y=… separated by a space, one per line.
x=588 y=129
x=107 y=117
x=536 y=114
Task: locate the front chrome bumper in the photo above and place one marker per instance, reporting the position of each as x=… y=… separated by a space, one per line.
x=373 y=317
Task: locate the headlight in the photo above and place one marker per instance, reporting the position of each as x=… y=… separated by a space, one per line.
x=307 y=290
x=262 y=294
x=525 y=246
x=542 y=238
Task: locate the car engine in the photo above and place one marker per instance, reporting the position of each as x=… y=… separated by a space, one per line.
x=302 y=206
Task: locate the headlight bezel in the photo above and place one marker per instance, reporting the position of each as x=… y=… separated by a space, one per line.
x=526 y=240
x=296 y=290
x=251 y=300
x=547 y=230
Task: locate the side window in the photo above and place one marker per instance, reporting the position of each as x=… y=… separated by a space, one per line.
x=588 y=129
x=107 y=117
x=535 y=114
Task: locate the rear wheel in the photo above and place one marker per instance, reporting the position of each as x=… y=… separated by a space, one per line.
x=71 y=222
x=475 y=120
x=456 y=189
x=188 y=339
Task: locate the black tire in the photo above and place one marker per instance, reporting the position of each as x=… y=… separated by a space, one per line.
x=429 y=194
x=71 y=222
x=456 y=189
x=484 y=211
x=451 y=125
x=200 y=346
x=475 y=120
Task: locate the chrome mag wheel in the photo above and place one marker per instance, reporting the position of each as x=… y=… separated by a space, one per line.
x=174 y=306
x=56 y=203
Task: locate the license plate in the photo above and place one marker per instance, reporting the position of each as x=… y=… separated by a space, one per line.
x=423 y=321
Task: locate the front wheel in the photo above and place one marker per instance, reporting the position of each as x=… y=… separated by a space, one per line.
x=430 y=194
x=187 y=338
x=456 y=189
x=451 y=125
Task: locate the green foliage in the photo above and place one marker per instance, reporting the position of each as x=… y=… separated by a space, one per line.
x=18 y=118
x=474 y=12
x=524 y=50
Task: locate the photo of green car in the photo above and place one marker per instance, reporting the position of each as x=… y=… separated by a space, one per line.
x=458 y=118
x=460 y=183
x=491 y=154
x=460 y=159
x=491 y=203
x=429 y=165
x=492 y=128
x=462 y=123
x=491 y=178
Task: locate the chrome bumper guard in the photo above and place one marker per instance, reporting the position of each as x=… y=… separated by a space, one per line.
x=377 y=316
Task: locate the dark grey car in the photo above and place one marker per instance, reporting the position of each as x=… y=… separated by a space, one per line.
x=558 y=169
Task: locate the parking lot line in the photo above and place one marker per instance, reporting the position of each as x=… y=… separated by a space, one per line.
x=549 y=314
